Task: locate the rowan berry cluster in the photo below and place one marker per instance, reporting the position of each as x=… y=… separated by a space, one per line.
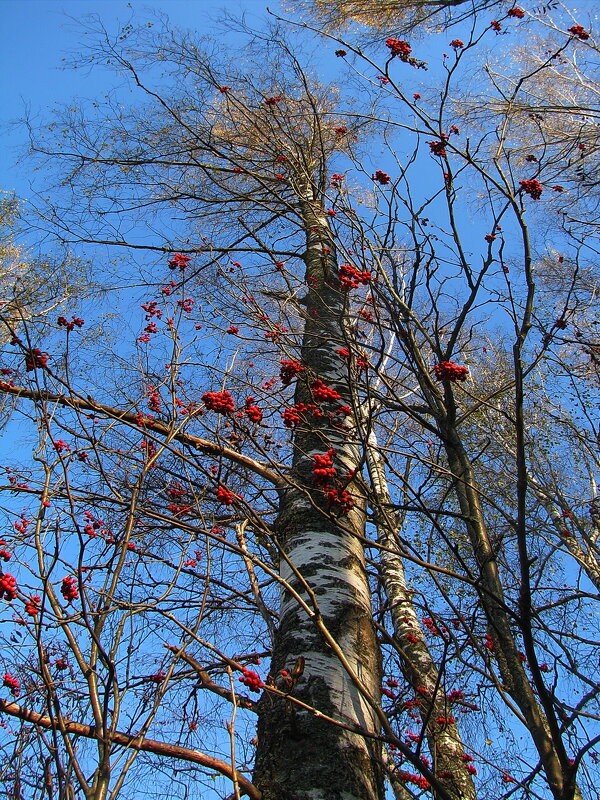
x=154 y=400
x=69 y=589
x=352 y=278
x=252 y=680
x=408 y=777
x=35 y=359
x=449 y=371
x=186 y=305
x=179 y=261
x=323 y=393
x=8 y=587
x=438 y=147
x=323 y=469
x=225 y=496
x=579 y=31
x=252 y=411
x=381 y=177
x=339 y=500
x=12 y=684
x=75 y=322
x=289 y=369
x=515 y=12
x=398 y=47
x=532 y=187
x=221 y=402
x=292 y=415
x=32 y=605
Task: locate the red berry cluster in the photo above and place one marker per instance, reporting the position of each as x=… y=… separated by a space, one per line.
x=221 y=402
x=272 y=101
x=443 y=721
x=12 y=684
x=408 y=777
x=186 y=305
x=8 y=587
x=253 y=412
x=69 y=589
x=289 y=369
x=398 y=47
x=457 y=44
x=179 y=261
x=579 y=31
x=60 y=445
x=76 y=322
x=292 y=415
x=252 y=680
x=323 y=393
x=351 y=278
x=154 y=400
x=532 y=187
x=515 y=12
x=340 y=501
x=35 y=359
x=225 y=496
x=438 y=147
x=152 y=310
x=381 y=177
x=22 y=525
x=323 y=469
x=32 y=605
x=449 y=371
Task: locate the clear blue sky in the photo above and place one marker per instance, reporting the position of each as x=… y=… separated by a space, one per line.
x=38 y=33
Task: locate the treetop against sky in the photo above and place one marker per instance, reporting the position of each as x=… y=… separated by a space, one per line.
x=299 y=372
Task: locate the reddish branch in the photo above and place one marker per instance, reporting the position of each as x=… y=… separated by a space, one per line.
x=204 y=445
x=135 y=743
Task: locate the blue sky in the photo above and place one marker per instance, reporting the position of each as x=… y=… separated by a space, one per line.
x=37 y=34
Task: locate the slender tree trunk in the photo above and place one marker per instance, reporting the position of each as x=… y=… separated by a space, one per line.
x=299 y=755
x=420 y=670
x=586 y=558
x=517 y=683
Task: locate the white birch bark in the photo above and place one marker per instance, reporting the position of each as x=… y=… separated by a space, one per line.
x=445 y=743
x=299 y=756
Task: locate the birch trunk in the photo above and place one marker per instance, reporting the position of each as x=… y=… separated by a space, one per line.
x=299 y=756
x=445 y=743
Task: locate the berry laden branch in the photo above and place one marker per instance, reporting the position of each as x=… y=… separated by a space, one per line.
x=203 y=445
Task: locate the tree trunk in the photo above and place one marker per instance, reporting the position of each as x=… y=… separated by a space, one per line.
x=299 y=755
x=517 y=683
x=445 y=743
